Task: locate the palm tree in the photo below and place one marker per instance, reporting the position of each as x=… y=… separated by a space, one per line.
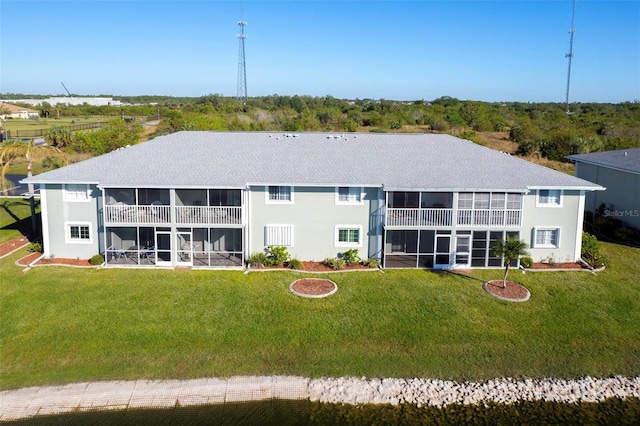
x=510 y=250
x=10 y=152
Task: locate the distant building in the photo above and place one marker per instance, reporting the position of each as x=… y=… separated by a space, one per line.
x=619 y=172
x=14 y=111
x=68 y=100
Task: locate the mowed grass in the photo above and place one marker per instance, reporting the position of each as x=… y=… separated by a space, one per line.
x=15 y=218
x=61 y=325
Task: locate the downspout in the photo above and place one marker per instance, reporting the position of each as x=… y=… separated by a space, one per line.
x=579 y=227
x=104 y=226
x=246 y=249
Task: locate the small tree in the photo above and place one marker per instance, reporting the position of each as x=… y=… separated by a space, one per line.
x=11 y=152
x=510 y=250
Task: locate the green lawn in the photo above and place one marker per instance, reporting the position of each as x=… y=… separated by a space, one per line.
x=15 y=217
x=63 y=325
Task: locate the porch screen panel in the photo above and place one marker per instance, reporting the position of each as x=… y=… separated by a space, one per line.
x=479 y=249
x=494 y=237
x=400 y=241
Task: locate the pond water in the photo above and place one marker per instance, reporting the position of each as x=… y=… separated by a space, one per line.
x=301 y=412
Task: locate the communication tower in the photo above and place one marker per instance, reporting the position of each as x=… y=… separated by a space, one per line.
x=569 y=55
x=242 y=68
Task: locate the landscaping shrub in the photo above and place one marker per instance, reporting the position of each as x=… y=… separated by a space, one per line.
x=526 y=262
x=294 y=264
x=334 y=263
x=371 y=263
x=35 y=247
x=351 y=257
x=591 y=250
x=258 y=259
x=97 y=259
x=277 y=255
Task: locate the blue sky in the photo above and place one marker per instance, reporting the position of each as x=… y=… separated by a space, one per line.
x=505 y=50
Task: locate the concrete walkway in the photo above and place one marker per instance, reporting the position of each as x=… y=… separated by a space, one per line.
x=33 y=401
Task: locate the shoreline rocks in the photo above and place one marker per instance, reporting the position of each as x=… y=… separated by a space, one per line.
x=436 y=392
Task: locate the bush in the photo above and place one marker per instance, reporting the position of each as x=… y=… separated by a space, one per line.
x=371 y=263
x=334 y=263
x=351 y=257
x=294 y=264
x=52 y=162
x=277 y=255
x=258 y=259
x=526 y=262
x=96 y=259
x=591 y=250
x=35 y=247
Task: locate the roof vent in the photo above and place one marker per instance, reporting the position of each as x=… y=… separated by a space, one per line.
x=625 y=153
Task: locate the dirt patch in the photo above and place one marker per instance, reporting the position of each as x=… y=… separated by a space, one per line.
x=313 y=287
x=513 y=292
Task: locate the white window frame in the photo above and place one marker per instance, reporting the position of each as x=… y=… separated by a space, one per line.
x=268 y=200
x=283 y=234
x=540 y=203
x=354 y=191
x=338 y=243
x=76 y=192
x=536 y=229
x=67 y=233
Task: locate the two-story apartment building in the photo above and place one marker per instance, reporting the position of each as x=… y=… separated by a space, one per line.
x=210 y=199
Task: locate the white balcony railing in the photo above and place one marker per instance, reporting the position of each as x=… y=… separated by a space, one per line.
x=414 y=218
x=419 y=217
x=208 y=215
x=123 y=213
x=486 y=217
x=130 y=214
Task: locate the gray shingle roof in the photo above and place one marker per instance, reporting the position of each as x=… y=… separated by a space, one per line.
x=627 y=160
x=238 y=159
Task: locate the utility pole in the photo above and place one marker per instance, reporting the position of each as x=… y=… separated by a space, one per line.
x=569 y=55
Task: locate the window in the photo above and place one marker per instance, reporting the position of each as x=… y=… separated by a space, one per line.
x=278 y=235
x=546 y=238
x=348 y=236
x=279 y=194
x=78 y=233
x=514 y=201
x=465 y=200
x=349 y=195
x=549 y=198
x=76 y=192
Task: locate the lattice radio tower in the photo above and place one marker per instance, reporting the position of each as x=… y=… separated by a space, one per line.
x=569 y=55
x=242 y=67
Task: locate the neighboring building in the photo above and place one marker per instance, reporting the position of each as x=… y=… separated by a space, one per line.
x=69 y=100
x=15 y=111
x=211 y=199
x=619 y=172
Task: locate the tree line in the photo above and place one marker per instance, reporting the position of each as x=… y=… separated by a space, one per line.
x=539 y=129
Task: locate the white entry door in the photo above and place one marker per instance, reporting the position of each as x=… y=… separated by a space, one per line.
x=463 y=251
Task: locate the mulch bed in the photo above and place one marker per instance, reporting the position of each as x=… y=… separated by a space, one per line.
x=313 y=287
x=513 y=291
x=25 y=261
x=10 y=246
x=563 y=265
x=315 y=267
